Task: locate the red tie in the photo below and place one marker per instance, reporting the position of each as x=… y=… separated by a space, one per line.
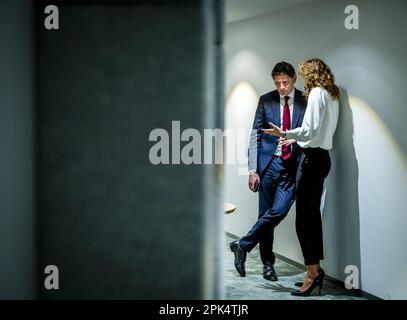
x=285 y=151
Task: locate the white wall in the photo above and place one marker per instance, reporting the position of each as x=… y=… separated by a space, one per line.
x=364 y=215
x=240 y=107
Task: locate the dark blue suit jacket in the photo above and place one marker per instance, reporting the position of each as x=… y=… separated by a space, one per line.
x=262 y=146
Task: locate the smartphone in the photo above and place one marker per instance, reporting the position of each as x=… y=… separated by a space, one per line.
x=256 y=187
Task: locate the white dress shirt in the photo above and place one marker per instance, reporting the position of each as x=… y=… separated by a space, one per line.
x=291 y=107
x=320 y=120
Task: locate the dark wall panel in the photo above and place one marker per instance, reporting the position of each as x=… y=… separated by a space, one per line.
x=114 y=224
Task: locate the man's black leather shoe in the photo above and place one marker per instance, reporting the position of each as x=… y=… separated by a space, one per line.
x=240 y=257
x=269 y=273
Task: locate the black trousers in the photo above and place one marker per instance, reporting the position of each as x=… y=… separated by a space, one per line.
x=314 y=169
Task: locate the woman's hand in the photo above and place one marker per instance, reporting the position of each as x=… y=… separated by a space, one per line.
x=286 y=142
x=274 y=131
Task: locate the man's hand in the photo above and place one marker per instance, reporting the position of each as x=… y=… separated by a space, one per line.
x=254 y=182
x=286 y=142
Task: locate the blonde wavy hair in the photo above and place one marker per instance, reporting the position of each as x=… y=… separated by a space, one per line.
x=317 y=73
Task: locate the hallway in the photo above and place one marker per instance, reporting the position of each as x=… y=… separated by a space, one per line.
x=254 y=287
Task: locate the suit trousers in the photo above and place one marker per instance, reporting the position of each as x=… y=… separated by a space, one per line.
x=276 y=195
x=313 y=171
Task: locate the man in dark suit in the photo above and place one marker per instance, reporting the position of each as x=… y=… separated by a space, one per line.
x=273 y=165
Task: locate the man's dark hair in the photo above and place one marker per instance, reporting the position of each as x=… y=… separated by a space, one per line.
x=283 y=68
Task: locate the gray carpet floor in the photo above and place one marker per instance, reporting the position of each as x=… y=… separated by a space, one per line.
x=254 y=287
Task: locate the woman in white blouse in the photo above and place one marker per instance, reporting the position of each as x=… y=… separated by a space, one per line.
x=315 y=138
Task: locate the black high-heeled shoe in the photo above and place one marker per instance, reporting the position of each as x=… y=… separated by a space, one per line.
x=299 y=284
x=317 y=282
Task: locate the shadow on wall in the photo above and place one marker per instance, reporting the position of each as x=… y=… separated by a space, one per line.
x=341 y=215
